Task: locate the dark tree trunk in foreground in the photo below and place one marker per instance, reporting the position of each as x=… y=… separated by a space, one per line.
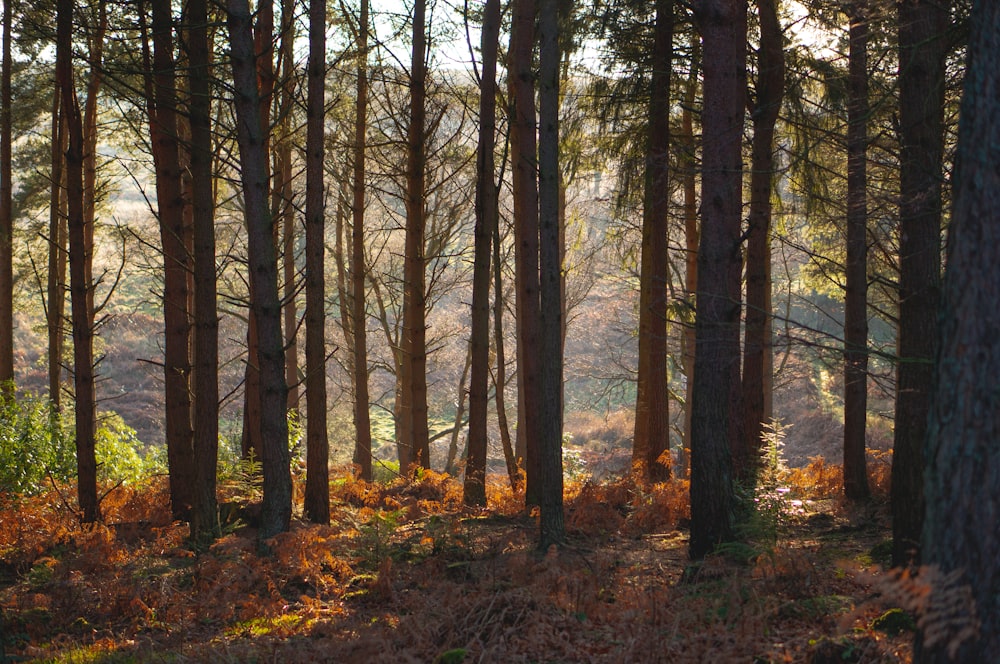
x=922 y=49
x=359 y=271
x=652 y=418
x=414 y=378
x=6 y=212
x=757 y=335
x=717 y=318
x=56 y=278
x=317 y=498
x=204 y=514
x=856 y=296
x=486 y=214
x=163 y=125
x=277 y=505
x=552 y=519
x=963 y=447
x=523 y=149
x=691 y=239
x=83 y=333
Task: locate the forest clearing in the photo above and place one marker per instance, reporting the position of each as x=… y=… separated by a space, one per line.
x=405 y=573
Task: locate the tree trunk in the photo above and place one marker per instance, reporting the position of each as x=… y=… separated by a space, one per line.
x=414 y=384
x=56 y=278
x=691 y=240
x=285 y=204
x=525 y=201
x=317 y=498
x=362 y=418
x=922 y=49
x=717 y=324
x=552 y=519
x=83 y=333
x=451 y=462
x=757 y=341
x=277 y=504
x=500 y=377
x=204 y=514
x=963 y=444
x=487 y=213
x=652 y=418
x=96 y=78
x=161 y=107
x=6 y=215
x=856 y=296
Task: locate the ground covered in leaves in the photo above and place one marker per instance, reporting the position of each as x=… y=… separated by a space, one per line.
x=405 y=574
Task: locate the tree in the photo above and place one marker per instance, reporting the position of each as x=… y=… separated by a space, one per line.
x=56 y=277
x=963 y=445
x=552 y=526
x=204 y=512
x=317 y=498
x=284 y=205
x=717 y=317
x=80 y=286
x=856 y=295
x=652 y=419
x=757 y=337
x=163 y=127
x=413 y=404
x=265 y=304
x=6 y=211
x=524 y=185
x=922 y=50
x=487 y=212
x=358 y=318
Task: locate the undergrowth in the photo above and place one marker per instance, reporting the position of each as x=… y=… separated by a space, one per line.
x=405 y=572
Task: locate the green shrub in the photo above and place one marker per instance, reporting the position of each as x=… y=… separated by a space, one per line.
x=33 y=444
x=119 y=452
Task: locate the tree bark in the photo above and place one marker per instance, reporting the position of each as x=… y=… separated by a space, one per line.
x=717 y=324
x=651 y=438
x=963 y=444
x=526 y=219
x=856 y=296
x=413 y=404
x=277 y=503
x=285 y=204
x=317 y=498
x=82 y=317
x=359 y=271
x=56 y=278
x=487 y=213
x=204 y=514
x=552 y=519
x=500 y=377
x=922 y=50
x=6 y=214
x=162 y=111
x=757 y=341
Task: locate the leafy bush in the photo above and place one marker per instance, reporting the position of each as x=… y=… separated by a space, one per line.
x=36 y=444
x=33 y=444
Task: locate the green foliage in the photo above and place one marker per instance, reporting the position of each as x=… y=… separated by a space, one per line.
x=766 y=504
x=384 y=472
x=894 y=622
x=36 y=444
x=374 y=543
x=33 y=444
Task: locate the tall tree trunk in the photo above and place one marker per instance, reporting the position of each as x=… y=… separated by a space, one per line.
x=500 y=377
x=451 y=462
x=277 y=504
x=362 y=418
x=552 y=519
x=963 y=444
x=757 y=341
x=717 y=325
x=83 y=332
x=6 y=214
x=161 y=106
x=856 y=296
x=285 y=208
x=56 y=278
x=317 y=498
x=922 y=50
x=414 y=402
x=487 y=214
x=204 y=513
x=691 y=239
x=652 y=418
x=525 y=196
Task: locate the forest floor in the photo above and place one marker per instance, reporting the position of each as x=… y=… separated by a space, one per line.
x=406 y=574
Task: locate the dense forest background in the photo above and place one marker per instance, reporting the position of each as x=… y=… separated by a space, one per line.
x=302 y=260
